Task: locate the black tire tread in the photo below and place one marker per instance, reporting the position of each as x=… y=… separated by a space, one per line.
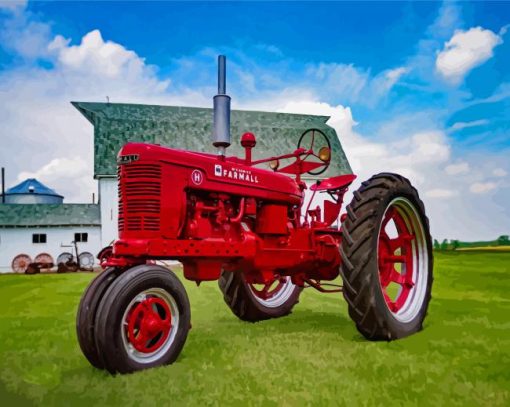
x=85 y=317
x=359 y=231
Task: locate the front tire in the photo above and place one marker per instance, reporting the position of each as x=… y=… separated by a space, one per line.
x=387 y=258
x=251 y=303
x=86 y=315
x=143 y=320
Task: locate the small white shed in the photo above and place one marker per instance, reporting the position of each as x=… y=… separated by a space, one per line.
x=33 y=229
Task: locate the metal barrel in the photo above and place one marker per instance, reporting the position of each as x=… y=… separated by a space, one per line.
x=221 y=115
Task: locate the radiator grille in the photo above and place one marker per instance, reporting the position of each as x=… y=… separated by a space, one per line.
x=139 y=197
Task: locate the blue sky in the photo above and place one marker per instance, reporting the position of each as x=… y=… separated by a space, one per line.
x=419 y=88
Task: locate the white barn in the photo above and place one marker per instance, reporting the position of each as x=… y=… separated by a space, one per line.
x=33 y=229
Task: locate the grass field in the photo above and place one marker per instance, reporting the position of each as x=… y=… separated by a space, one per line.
x=314 y=356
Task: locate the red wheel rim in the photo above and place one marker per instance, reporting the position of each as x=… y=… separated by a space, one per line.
x=148 y=324
x=395 y=253
x=274 y=293
x=43 y=258
x=269 y=290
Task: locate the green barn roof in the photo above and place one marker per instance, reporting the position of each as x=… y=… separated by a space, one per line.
x=190 y=128
x=41 y=215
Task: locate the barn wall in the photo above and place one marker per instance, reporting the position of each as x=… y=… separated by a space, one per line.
x=14 y=241
x=109 y=203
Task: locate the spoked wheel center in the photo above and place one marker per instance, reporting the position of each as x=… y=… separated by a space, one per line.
x=400 y=259
x=273 y=293
x=149 y=324
x=268 y=290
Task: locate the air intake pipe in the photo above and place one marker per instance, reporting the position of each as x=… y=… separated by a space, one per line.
x=221 y=115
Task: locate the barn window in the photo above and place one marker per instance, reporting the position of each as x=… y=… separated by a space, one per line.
x=39 y=238
x=81 y=237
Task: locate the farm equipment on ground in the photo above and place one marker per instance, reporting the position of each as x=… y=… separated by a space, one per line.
x=80 y=261
x=226 y=219
x=23 y=263
x=43 y=261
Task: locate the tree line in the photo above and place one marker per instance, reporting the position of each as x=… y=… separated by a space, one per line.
x=503 y=240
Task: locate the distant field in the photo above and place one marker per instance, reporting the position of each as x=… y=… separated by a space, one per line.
x=486 y=248
x=314 y=356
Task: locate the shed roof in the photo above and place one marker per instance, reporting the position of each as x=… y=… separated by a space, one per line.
x=39 y=215
x=190 y=128
x=31 y=186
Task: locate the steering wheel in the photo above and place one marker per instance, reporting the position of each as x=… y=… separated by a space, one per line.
x=315 y=138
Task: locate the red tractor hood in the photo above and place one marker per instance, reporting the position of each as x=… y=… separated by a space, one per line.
x=210 y=172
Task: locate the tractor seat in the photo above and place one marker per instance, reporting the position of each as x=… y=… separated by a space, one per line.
x=334 y=183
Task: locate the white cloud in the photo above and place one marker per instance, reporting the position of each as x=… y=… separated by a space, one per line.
x=24 y=36
x=499 y=172
x=40 y=127
x=459 y=168
x=94 y=57
x=13 y=5
x=394 y=74
x=465 y=125
x=383 y=82
x=464 y=51
x=352 y=84
x=65 y=175
x=341 y=79
x=482 y=187
x=271 y=49
x=441 y=193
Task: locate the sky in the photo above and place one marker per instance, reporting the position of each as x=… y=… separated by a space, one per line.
x=421 y=89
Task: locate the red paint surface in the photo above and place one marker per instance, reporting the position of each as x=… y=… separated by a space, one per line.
x=234 y=216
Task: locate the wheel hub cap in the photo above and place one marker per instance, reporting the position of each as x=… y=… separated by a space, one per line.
x=148 y=324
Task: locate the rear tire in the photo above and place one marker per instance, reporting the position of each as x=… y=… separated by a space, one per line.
x=143 y=320
x=246 y=302
x=371 y=258
x=86 y=315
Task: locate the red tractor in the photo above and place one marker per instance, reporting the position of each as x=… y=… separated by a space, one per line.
x=226 y=219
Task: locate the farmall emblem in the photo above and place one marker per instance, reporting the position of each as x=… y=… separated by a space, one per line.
x=238 y=174
x=126 y=159
x=197 y=177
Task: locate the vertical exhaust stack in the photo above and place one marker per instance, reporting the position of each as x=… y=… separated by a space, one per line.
x=221 y=115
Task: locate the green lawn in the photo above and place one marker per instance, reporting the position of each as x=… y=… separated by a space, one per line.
x=313 y=356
